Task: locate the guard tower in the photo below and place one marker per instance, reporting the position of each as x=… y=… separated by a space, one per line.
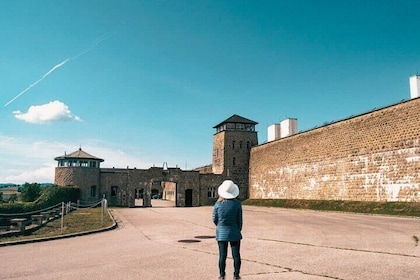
x=79 y=169
x=232 y=144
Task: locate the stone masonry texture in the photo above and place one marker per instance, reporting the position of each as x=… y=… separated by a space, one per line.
x=231 y=152
x=370 y=157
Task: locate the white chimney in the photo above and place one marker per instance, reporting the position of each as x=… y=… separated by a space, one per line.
x=273 y=132
x=288 y=127
x=415 y=86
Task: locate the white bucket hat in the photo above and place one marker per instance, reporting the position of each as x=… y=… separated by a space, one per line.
x=228 y=190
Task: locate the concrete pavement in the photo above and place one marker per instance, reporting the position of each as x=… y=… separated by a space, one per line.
x=178 y=243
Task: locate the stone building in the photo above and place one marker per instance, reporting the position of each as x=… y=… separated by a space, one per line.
x=232 y=143
x=373 y=156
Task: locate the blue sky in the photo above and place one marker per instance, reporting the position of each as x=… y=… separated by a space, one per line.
x=139 y=83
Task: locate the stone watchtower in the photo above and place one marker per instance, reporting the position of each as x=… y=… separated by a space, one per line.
x=232 y=143
x=80 y=169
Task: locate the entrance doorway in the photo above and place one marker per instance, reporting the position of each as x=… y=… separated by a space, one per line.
x=138 y=193
x=188 y=197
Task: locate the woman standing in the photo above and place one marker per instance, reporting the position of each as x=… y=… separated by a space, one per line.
x=227 y=216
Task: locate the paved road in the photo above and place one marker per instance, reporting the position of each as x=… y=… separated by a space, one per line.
x=278 y=244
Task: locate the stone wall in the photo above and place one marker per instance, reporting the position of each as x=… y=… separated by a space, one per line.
x=127 y=181
x=120 y=185
x=218 y=157
x=84 y=178
x=209 y=183
x=370 y=157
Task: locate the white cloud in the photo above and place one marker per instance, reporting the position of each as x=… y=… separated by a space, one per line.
x=50 y=112
x=22 y=160
x=41 y=175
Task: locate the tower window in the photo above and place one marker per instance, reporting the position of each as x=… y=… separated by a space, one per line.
x=230 y=126
x=240 y=126
x=234 y=161
x=93 y=191
x=240 y=144
x=114 y=190
x=249 y=127
x=233 y=144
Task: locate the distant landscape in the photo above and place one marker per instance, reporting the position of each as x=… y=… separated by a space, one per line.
x=11 y=185
x=9 y=189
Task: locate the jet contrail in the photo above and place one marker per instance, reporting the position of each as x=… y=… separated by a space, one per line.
x=97 y=42
x=39 y=80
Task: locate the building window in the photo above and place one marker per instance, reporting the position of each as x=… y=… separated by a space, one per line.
x=211 y=192
x=114 y=190
x=248 y=145
x=240 y=145
x=230 y=126
x=233 y=144
x=249 y=127
x=240 y=126
x=234 y=161
x=93 y=191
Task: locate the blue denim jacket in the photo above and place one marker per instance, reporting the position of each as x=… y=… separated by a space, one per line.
x=227 y=216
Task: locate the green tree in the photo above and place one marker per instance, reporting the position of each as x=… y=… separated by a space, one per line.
x=12 y=198
x=30 y=192
x=1 y=196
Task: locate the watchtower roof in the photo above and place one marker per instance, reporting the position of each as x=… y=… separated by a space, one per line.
x=79 y=154
x=236 y=119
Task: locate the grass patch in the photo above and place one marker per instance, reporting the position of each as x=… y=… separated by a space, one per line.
x=78 y=221
x=383 y=208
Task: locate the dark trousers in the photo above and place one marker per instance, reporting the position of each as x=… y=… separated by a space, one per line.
x=223 y=248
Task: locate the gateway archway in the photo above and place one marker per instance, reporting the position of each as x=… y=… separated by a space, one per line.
x=160 y=194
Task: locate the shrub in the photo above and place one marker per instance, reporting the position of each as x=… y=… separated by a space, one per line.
x=52 y=195
x=49 y=196
x=30 y=192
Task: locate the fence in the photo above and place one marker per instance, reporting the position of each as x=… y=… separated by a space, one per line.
x=22 y=223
